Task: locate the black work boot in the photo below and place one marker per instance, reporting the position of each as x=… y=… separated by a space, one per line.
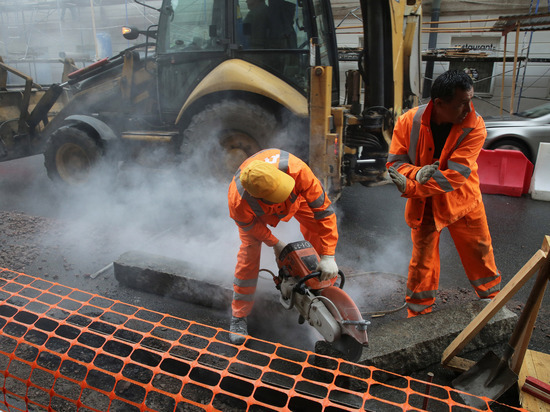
x=237 y=325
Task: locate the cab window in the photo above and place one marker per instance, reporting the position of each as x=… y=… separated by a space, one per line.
x=193 y=26
x=270 y=24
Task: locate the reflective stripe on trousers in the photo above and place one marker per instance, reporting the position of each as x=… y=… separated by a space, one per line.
x=246 y=275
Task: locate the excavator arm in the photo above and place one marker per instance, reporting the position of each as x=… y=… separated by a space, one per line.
x=349 y=143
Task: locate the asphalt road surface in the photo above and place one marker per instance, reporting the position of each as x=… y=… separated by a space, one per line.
x=68 y=235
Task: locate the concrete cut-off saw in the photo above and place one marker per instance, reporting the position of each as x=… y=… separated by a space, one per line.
x=325 y=306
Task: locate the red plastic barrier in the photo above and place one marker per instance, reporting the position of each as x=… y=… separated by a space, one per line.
x=504 y=172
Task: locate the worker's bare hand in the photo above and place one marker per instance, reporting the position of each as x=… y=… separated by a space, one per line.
x=426 y=172
x=398 y=179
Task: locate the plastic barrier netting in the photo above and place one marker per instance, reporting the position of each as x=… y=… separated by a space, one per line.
x=62 y=349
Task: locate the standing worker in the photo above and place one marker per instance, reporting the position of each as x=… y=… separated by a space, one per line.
x=271 y=186
x=432 y=162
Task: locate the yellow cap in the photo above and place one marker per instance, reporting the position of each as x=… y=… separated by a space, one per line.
x=263 y=180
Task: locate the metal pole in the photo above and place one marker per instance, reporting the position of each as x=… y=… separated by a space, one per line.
x=503 y=73
x=432 y=43
x=526 y=58
x=94 y=31
x=427 y=391
x=514 y=74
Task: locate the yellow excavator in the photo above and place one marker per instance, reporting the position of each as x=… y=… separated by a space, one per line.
x=217 y=80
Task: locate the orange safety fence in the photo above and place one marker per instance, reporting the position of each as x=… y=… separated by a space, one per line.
x=63 y=349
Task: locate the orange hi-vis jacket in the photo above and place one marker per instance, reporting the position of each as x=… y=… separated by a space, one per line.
x=252 y=215
x=454 y=188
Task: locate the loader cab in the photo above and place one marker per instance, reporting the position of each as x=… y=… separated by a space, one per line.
x=195 y=37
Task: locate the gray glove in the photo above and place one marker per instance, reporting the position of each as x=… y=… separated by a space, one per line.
x=328 y=267
x=278 y=248
x=426 y=172
x=398 y=179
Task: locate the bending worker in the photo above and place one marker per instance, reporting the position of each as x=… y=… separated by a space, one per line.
x=271 y=186
x=432 y=161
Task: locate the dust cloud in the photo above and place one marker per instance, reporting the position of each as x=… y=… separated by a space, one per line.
x=171 y=210
x=164 y=208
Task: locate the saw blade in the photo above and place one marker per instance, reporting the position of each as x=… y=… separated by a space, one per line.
x=349 y=347
x=344 y=308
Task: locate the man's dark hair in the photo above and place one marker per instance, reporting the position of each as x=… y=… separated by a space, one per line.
x=445 y=85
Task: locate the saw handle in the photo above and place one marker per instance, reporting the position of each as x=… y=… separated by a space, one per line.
x=300 y=286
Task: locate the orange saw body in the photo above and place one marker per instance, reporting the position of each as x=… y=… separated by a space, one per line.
x=325 y=306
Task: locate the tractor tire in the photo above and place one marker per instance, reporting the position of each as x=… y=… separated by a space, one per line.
x=70 y=155
x=223 y=135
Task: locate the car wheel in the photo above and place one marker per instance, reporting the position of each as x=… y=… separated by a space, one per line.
x=512 y=144
x=70 y=155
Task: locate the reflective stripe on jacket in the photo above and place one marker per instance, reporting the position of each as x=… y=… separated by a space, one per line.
x=252 y=214
x=454 y=188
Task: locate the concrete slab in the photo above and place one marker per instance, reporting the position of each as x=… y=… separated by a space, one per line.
x=407 y=345
x=172 y=278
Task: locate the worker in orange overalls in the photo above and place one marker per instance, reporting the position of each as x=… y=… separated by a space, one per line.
x=271 y=186
x=432 y=161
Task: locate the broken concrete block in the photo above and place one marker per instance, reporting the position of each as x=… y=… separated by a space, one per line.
x=170 y=277
x=408 y=345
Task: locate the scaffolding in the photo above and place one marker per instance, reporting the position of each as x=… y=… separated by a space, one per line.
x=502 y=25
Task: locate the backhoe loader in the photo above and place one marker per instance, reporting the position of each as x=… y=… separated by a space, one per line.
x=210 y=83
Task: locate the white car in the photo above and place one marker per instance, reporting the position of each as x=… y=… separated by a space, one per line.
x=522 y=131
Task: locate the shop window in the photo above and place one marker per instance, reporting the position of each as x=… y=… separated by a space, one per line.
x=480 y=71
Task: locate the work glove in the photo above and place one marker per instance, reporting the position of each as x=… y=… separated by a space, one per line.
x=278 y=248
x=398 y=179
x=328 y=267
x=426 y=172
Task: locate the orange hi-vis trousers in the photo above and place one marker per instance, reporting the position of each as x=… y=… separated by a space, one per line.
x=472 y=240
